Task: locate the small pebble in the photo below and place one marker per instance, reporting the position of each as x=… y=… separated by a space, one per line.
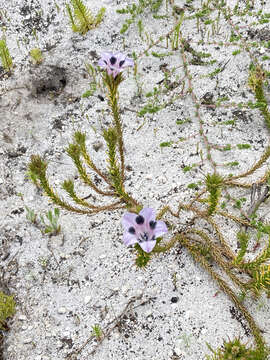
x=154 y=291
x=125 y=288
x=97 y=145
x=162 y=180
x=87 y=299
x=62 y=310
x=178 y=351
x=27 y=340
x=137 y=293
x=22 y=317
x=204 y=331
x=66 y=333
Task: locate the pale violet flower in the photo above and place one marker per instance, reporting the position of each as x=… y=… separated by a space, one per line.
x=114 y=63
x=143 y=228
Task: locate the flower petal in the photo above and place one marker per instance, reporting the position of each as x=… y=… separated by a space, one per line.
x=160 y=229
x=109 y=70
x=123 y=60
x=128 y=62
x=148 y=246
x=106 y=55
x=115 y=72
x=114 y=63
x=104 y=60
x=101 y=63
x=129 y=239
x=120 y=57
x=128 y=220
x=148 y=214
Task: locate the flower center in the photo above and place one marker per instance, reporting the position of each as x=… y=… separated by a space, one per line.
x=143 y=237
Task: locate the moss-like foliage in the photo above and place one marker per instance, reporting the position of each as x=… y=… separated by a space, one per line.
x=36 y=56
x=256 y=82
x=213 y=185
x=5 y=55
x=7 y=309
x=112 y=181
x=135 y=10
x=142 y=258
x=81 y=17
x=235 y=350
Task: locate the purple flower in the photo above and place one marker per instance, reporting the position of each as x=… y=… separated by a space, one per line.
x=114 y=63
x=143 y=229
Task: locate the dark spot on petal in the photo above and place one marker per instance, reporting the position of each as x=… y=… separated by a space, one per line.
x=139 y=219
x=131 y=230
x=121 y=62
x=113 y=60
x=143 y=237
x=105 y=62
x=152 y=224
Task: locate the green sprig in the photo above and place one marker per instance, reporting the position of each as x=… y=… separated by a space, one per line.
x=7 y=309
x=5 y=55
x=213 y=184
x=81 y=17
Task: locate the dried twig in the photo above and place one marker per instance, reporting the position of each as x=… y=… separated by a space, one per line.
x=110 y=326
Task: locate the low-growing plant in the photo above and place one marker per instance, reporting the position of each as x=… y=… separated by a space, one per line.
x=5 y=55
x=256 y=81
x=52 y=228
x=114 y=179
x=36 y=56
x=236 y=350
x=211 y=201
x=31 y=215
x=81 y=17
x=135 y=10
x=97 y=331
x=7 y=309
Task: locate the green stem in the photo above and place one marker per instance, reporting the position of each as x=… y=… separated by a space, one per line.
x=113 y=96
x=253 y=326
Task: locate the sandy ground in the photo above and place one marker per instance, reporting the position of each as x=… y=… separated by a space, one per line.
x=66 y=284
